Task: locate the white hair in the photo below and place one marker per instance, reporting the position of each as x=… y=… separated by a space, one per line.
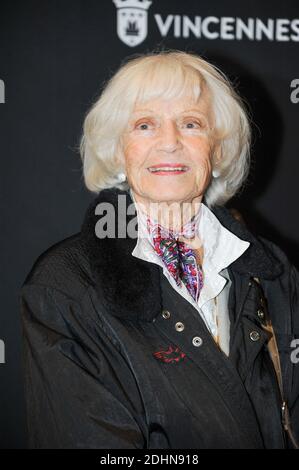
x=166 y=74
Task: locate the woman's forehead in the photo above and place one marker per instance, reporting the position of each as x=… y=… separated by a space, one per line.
x=183 y=104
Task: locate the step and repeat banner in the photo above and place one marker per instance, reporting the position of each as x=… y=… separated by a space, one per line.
x=55 y=57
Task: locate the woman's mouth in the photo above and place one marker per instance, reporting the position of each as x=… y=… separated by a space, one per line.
x=168 y=170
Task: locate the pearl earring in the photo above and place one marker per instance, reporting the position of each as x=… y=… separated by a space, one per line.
x=216 y=173
x=122 y=177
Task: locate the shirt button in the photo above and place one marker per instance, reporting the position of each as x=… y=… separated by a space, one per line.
x=254 y=335
x=179 y=326
x=197 y=341
x=165 y=314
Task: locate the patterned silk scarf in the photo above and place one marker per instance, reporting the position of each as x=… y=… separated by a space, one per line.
x=177 y=256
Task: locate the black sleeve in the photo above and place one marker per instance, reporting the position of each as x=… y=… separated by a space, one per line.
x=290 y=289
x=294 y=281
x=69 y=400
x=294 y=276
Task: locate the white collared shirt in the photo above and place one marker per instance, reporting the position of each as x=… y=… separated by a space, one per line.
x=220 y=247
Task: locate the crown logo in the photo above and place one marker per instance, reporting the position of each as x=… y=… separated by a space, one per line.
x=132 y=19
x=142 y=4
x=132 y=29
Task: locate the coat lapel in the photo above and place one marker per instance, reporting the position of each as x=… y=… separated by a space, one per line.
x=129 y=287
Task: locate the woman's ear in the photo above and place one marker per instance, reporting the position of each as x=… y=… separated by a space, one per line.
x=119 y=154
x=217 y=155
x=216 y=161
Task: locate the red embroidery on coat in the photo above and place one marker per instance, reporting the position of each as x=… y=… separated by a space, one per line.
x=173 y=354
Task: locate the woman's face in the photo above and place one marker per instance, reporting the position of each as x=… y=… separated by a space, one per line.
x=167 y=148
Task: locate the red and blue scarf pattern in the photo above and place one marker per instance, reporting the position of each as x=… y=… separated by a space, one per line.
x=177 y=256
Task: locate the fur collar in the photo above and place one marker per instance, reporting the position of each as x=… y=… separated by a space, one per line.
x=129 y=287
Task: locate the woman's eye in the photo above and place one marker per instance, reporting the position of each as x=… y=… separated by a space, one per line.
x=192 y=124
x=143 y=126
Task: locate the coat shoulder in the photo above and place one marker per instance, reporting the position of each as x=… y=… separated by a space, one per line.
x=276 y=251
x=64 y=266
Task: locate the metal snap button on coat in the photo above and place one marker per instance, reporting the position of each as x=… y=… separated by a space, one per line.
x=261 y=314
x=179 y=326
x=165 y=314
x=254 y=335
x=197 y=341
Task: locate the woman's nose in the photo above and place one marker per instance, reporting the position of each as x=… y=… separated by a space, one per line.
x=169 y=138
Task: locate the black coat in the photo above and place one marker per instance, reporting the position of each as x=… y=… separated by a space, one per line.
x=106 y=368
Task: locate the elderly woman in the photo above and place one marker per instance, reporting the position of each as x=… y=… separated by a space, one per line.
x=164 y=323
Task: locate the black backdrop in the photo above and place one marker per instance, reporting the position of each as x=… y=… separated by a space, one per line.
x=54 y=57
